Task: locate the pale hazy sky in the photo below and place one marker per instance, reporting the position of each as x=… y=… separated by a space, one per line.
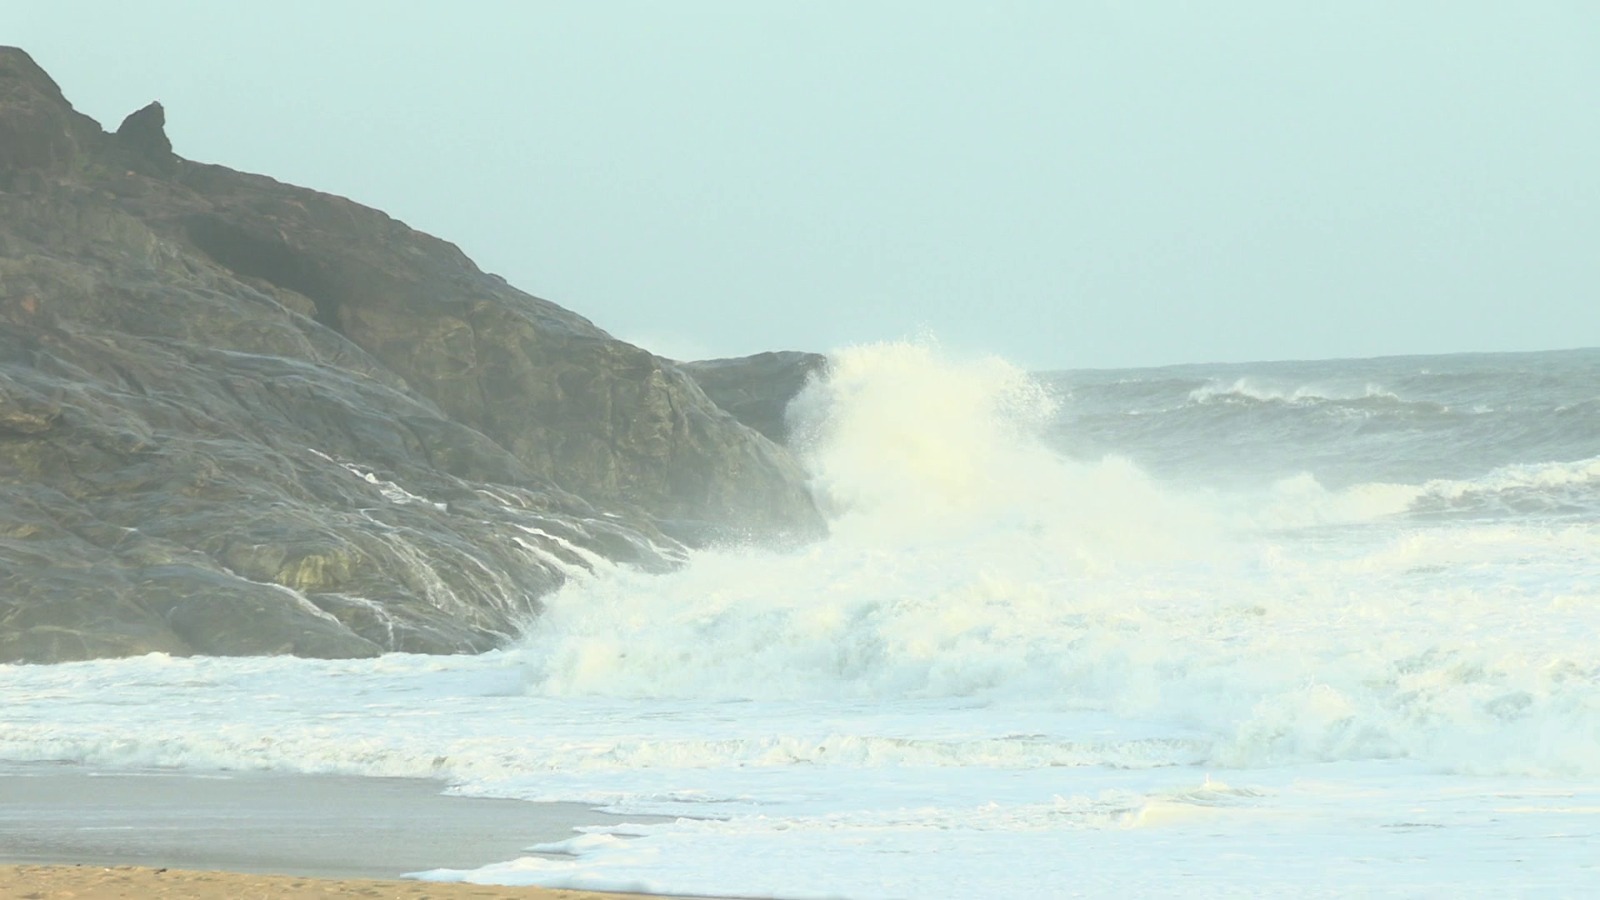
x=1065 y=184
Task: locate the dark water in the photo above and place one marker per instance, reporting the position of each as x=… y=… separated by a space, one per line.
x=1517 y=427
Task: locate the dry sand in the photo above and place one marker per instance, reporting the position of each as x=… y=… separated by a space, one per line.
x=140 y=883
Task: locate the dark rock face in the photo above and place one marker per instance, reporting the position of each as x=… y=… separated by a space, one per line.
x=757 y=389
x=144 y=133
x=241 y=417
x=40 y=133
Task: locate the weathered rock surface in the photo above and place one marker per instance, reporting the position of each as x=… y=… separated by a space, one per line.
x=757 y=389
x=241 y=417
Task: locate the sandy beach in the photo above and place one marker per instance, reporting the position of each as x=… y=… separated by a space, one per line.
x=81 y=882
x=69 y=831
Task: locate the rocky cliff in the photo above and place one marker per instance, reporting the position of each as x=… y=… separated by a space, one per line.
x=240 y=417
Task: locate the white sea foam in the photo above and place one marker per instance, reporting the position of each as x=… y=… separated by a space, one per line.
x=1302 y=501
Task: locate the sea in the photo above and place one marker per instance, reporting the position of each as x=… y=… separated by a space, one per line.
x=1322 y=628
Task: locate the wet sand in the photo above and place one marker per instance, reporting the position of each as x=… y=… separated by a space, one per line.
x=69 y=831
x=336 y=826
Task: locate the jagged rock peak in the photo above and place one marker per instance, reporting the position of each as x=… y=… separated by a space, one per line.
x=19 y=72
x=144 y=131
x=39 y=130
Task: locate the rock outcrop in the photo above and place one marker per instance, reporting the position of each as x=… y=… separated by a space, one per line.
x=242 y=417
x=757 y=389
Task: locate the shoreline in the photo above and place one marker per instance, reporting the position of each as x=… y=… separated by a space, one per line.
x=90 y=882
x=68 y=830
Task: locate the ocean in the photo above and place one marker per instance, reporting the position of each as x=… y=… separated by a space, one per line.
x=1301 y=628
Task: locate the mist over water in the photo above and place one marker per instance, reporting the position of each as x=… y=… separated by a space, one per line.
x=1197 y=630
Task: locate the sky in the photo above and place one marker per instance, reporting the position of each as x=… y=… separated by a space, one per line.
x=1080 y=183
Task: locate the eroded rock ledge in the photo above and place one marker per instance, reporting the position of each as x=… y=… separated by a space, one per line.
x=242 y=417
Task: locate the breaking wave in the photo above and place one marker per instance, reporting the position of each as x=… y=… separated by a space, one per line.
x=968 y=560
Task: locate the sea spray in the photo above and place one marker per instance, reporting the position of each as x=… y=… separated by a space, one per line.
x=899 y=436
x=970 y=560
x=960 y=551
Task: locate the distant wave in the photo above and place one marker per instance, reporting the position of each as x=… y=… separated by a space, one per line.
x=1522 y=490
x=1556 y=487
x=1247 y=389
x=1251 y=392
